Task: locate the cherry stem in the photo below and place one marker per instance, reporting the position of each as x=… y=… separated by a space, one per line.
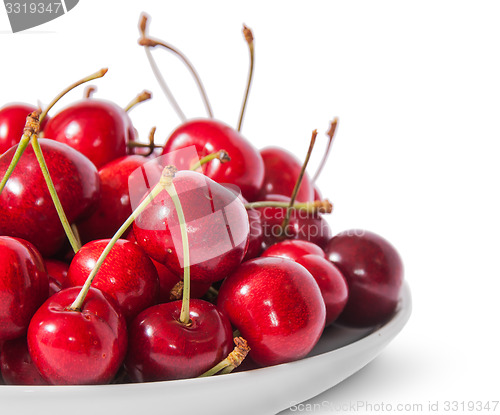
x=89 y=91
x=53 y=194
x=249 y=39
x=298 y=182
x=233 y=360
x=318 y=206
x=143 y=96
x=149 y=42
x=331 y=135
x=98 y=74
x=143 y=23
x=221 y=155
x=31 y=128
x=169 y=186
x=176 y=291
x=26 y=138
x=76 y=233
x=151 y=145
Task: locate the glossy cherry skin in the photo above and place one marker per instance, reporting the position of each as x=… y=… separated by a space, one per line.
x=12 y=123
x=282 y=170
x=305 y=226
x=293 y=249
x=374 y=273
x=114 y=204
x=78 y=347
x=217 y=225
x=57 y=272
x=98 y=129
x=16 y=365
x=23 y=286
x=162 y=348
x=277 y=306
x=246 y=168
x=26 y=208
x=127 y=275
x=331 y=282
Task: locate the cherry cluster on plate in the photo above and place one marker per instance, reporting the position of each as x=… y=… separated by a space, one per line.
x=194 y=255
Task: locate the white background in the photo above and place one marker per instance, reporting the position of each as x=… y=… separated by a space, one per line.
x=416 y=86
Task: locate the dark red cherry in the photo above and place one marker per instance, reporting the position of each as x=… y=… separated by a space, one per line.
x=114 y=205
x=169 y=279
x=277 y=306
x=331 y=282
x=374 y=273
x=162 y=348
x=78 y=347
x=293 y=249
x=98 y=129
x=246 y=168
x=23 y=286
x=26 y=208
x=305 y=226
x=217 y=225
x=282 y=170
x=12 y=123
x=57 y=272
x=127 y=275
x=16 y=365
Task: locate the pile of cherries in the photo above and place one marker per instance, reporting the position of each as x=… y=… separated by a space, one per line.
x=217 y=252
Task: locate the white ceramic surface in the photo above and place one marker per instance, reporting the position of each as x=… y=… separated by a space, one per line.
x=339 y=354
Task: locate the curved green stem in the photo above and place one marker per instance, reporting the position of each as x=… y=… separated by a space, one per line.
x=77 y=304
x=25 y=140
x=331 y=135
x=249 y=38
x=221 y=155
x=184 y=317
x=298 y=182
x=143 y=96
x=53 y=194
x=98 y=74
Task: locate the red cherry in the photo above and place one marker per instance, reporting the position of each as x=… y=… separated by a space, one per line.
x=77 y=347
x=168 y=279
x=217 y=225
x=277 y=306
x=162 y=348
x=374 y=273
x=305 y=226
x=246 y=168
x=16 y=366
x=293 y=249
x=114 y=205
x=98 y=129
x=127 y=275
x=331 y=282
x=57 y=272
x=23 y=286
x=282 y=170
x=26 y=208
x=12 y=123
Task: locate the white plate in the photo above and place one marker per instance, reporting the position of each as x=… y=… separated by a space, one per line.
x=339 y=354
